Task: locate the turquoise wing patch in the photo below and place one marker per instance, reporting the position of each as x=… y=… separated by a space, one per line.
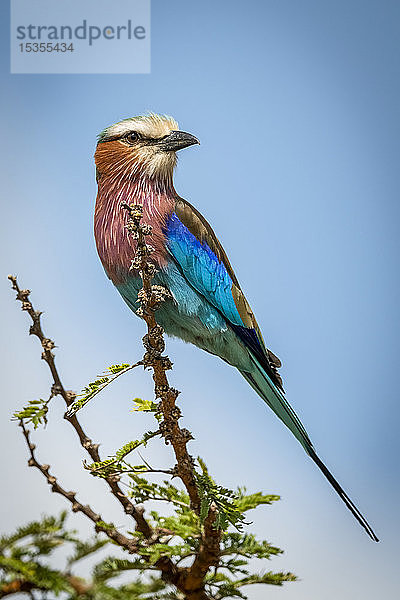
x=202 y=268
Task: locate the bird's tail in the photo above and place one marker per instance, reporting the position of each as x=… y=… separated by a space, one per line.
x=268 y=391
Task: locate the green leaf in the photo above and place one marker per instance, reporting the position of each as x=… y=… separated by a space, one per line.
x=224 y=499
x=114 y=369
x=35 y=412
x=112 y=567
x=95 y=387
x=249 y=501
x=84 y=549
x=144 y=405
x=116 y=463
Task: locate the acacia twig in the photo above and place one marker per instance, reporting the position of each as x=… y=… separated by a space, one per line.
x=57 y=388
x=129 y=544
x=150 y=298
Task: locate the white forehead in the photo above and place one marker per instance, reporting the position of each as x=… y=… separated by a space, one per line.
x=154 y=126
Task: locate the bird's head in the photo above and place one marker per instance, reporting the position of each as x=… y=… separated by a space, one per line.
x=142 y=146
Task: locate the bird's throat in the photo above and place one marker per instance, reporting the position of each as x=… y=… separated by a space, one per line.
x=115 y=247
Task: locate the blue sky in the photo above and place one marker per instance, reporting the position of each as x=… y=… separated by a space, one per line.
x=296 y=107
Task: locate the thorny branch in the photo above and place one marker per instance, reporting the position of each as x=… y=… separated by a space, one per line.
x=142 y=525
x=57 y=389
x=128 y=543
x=150 y=298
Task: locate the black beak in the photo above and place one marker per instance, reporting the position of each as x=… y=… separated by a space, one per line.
x=177 y=140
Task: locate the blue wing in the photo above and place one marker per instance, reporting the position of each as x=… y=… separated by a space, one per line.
x=204 y=264
x=202 y=268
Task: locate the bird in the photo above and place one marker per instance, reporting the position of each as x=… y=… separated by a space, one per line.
x=135 y=161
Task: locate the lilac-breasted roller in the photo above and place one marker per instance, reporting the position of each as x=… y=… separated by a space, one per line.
x=135 y=161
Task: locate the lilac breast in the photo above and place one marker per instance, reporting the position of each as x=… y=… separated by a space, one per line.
x=116 y=248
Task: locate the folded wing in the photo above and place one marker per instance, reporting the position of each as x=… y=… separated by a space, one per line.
x=201 y=258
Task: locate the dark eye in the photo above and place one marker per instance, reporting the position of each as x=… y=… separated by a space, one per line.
x=132 y=137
